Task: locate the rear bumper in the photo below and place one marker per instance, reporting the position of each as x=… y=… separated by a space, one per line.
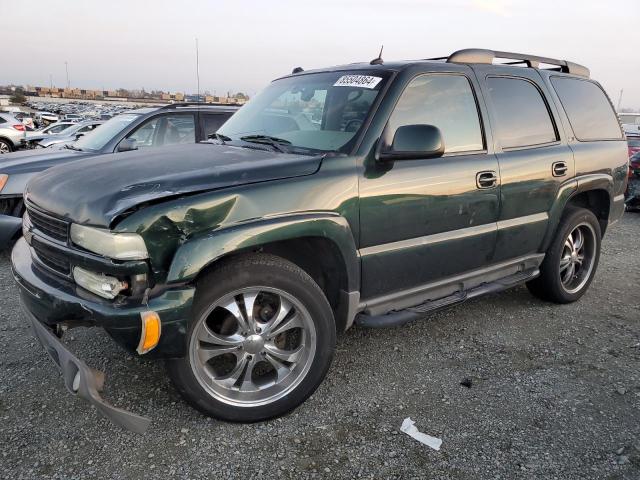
x=56 y=300
x=82 y=381
x=9 y=230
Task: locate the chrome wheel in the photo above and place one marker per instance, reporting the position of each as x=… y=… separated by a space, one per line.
x=576 y=262
x=252 y=346
x=4 y=148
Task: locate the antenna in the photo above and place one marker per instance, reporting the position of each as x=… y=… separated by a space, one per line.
x=378 y=61
x=620 y=99
x=198 y=69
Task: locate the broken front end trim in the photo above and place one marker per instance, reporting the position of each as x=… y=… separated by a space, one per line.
x=82 y=381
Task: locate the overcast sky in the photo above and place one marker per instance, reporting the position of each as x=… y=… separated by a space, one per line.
x=244 y=44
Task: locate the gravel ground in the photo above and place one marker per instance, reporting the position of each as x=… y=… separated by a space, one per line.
x=555 y=393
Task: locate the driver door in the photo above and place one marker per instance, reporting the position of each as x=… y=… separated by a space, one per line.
x=425 y=220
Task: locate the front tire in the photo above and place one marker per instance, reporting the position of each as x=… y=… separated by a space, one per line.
x=571 y=260
x=260 y=341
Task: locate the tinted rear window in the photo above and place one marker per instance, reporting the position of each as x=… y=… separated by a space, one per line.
x=589 y=111
x=521 y=113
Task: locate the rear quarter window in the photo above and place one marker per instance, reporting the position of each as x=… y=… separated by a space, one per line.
x=590 y=113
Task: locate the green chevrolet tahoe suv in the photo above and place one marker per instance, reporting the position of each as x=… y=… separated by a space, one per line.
x=371 y=193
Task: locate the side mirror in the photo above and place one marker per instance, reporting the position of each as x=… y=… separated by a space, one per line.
x=127 y=145
x=413 y=142
x=78 y=135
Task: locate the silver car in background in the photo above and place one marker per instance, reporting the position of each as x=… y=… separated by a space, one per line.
x=70 y=135
x=12 y=132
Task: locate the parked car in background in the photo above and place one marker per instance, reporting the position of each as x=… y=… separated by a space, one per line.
x=26 y=119
x=630 y=123
x=12 y=132
x=426 y=183
x=137 y=129
x=71 y=134
x=31 y=139
x=633 y=141
x=632 y=195
x=73 y=117
x=45 y=118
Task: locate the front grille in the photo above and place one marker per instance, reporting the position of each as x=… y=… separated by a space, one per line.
x=48 y=225
x=51 y=258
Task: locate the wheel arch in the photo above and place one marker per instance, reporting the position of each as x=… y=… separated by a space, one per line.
x=320 y=244
x=593 y=192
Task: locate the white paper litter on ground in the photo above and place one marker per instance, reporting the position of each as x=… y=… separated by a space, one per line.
x=408 y=427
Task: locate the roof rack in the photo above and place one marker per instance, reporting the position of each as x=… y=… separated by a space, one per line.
x=197 y=104
x=479 y=55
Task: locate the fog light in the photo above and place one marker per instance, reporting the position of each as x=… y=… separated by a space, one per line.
x=102 y=285
x=150 y=334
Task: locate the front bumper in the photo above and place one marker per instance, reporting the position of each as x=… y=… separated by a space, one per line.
x=49 y=300
x=9 y=230
x=56 y=300
x=82 y=381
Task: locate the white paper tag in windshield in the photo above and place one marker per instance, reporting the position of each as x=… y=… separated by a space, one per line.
x=363 y=81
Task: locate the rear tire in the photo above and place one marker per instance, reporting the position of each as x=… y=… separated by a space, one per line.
x=260 y=341
x=571 y=260
x=5 y=146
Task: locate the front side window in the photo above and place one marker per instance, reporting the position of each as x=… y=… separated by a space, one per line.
x=589 y=111
x=96 y=140
x=317 y=112
x=164 y=131
x=446 y=102
x=522 y=115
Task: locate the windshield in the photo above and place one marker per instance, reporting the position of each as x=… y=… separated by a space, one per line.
x=320 y=111
x=99 y=137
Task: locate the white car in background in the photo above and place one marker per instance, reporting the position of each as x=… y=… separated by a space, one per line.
x=630 y=123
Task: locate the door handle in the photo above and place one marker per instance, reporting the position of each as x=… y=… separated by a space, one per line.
x=559 y=169
x=486 y=179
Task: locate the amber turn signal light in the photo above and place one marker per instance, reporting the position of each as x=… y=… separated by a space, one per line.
x=150 y=334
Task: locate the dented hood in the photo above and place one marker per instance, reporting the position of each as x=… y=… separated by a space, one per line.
x=97 y=190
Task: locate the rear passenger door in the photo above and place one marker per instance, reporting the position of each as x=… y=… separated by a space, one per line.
x=535 y=160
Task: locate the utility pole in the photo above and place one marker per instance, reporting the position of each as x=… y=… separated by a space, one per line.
x=66 y=66
x=50 y=82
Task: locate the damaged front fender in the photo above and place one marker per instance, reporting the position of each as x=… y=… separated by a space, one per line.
x=195 y=255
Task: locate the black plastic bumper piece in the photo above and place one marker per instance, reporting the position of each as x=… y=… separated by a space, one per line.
x=9 y=230
x=82 y=381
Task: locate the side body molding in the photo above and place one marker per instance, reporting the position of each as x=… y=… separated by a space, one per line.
x=199 y=252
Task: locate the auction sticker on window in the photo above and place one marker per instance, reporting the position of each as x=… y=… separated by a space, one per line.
x=363 y=81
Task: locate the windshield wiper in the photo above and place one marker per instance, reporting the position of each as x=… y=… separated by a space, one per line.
x=71 y=147
x=221 y=138
x=275 y=142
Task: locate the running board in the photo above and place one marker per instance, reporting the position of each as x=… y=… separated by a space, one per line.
x=400 y=317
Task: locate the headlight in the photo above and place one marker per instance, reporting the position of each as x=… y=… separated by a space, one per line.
x=3 y=180
x=119 y=246
x=103 y=285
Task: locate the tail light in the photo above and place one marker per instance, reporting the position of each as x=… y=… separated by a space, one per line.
x=19 y=127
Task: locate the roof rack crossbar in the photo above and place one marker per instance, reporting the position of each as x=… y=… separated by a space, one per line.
x=479 y=55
